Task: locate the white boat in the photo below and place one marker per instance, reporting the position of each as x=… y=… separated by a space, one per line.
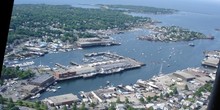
x=53 y=90
x=58 y=87
x=38 y=95
x=191 y=44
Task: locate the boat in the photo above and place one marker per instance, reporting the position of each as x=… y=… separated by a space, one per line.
x=191 y=44
x=38 y=95
x=120 y=86
x=58 y=87
x=107 y=82
x=35 y=96
x=53 y=90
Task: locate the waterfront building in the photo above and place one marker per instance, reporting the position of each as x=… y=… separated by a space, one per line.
x=29 y=88
x=66 y=99
x=75 y=71
x=43 y=80
x=184 y=75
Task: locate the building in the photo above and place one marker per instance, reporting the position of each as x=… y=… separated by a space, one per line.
x=211 y=61
x=184 y=75
x=43 y=80
x=3 y=88
x=61 y=74
x=62 y=99
x=74 y=71
x=30 y=89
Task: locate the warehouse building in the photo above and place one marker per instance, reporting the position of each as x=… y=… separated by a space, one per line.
x=43 y=80
x=211 y=61
x=74 y=71
x=66 y=99
x=30 y=89
x=184 y=75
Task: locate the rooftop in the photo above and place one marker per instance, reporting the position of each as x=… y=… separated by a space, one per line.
x=58 y=100
x=184 y=74
x=42 y=78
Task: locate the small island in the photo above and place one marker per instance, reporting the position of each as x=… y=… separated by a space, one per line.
x=173 y=34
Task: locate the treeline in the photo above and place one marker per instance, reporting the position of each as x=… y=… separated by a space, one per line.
x=12 y=72
x=13 y=105
x=140 y=9
x=39 y=20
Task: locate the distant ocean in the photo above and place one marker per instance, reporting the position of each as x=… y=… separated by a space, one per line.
x=198 y=6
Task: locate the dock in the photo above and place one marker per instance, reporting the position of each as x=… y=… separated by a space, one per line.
x=211 y=62
x=61 y=66
x=102 y=63
x=74 y=63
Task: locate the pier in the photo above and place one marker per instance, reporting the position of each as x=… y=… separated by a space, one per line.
x=74 y=63
x=102 y=63
x=61 y=66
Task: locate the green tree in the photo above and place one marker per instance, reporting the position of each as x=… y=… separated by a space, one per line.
x=64 y=108
x=186 y=87
x=45 y=107
x=93 y=105
x=161 y=96
x=149 y=99
x=112 y=106
x=167 y=95
x=126 y=100
x=175 y=91
x=11 y=105
x=83 y=107
x=37 y=105
x=20 y=102
x=74 y=106
x=1 y=99
x=118 y=100
x=155 y=98
x=129 y=107
x=142 y=100
x=171 y=93
x=151 y=108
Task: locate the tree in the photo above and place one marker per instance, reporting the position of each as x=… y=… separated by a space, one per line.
x=186 y=87
x=112 y=106
x=93 y=105
x=151 y=108
x=20 y=102
x=45 y=107
x=171 y=93
x=64 y=108
x=37 y=104
x=175 y=91
x=74 y=106
x=1 y=99
x=148 y=98
x=126 y=100
x=161 y=96
x=155 y=98
x=167 y=95
x=11 y=105
x=142 y=100
x=118 y=100
x=83 y=106
x=129 y=107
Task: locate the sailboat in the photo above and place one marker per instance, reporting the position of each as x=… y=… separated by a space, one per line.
x=160 y=72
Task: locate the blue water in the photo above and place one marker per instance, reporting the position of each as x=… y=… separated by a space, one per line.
x=197 y=15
